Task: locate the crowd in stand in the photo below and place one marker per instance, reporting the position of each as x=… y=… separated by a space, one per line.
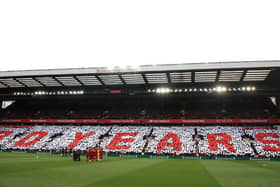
x=266 y=141
x=207 y=141
x=222 y=140
x=125 y=139
x=155 y=108
x=180 y=139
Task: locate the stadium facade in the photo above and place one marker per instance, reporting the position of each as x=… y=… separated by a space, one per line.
x=174 y=82
x=225 y=108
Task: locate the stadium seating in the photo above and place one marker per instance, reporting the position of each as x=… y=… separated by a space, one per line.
x=207 y=141
x=204 y=108
x=126 y=139
x=169 y=140
x=266 y=141
x=221 y=140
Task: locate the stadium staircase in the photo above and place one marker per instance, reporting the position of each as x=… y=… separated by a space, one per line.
x=147 y=138
x=196 y=138
x=58 y=135
x=251 y=139
x=107 y=134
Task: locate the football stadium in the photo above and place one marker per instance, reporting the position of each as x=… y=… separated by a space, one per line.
x=173 y=125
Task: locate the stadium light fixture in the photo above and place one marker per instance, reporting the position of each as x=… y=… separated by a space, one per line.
x=61 y=92
x=163 y=90
x=219 y=89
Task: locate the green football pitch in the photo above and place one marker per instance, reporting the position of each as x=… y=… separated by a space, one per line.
x=24 y=169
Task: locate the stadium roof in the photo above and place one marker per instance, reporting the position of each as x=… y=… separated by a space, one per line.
x=190 y=73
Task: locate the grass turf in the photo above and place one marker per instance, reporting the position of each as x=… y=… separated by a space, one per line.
x=25 y=170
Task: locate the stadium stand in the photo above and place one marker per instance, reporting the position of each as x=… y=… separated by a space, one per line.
x=224 y=141
x=180 y=138
x=265 y=141
x=212 y=141
x=215 y=109
x=126 y=139
x=208 y=108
